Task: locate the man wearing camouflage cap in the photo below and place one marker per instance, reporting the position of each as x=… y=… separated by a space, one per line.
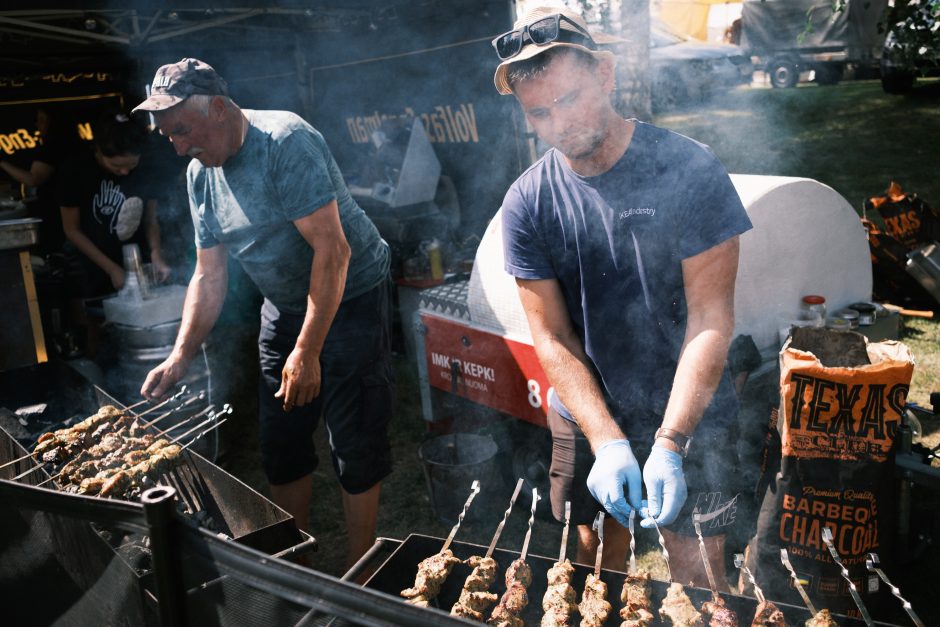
x=264 y=188
x=623 y=240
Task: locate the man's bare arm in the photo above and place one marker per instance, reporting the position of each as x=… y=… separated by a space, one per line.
x=300 y=380
x=204 y=298
x=564 y=361
x=709 y=279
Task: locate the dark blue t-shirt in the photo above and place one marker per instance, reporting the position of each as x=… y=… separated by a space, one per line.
x=284 y=171
x=615 y=242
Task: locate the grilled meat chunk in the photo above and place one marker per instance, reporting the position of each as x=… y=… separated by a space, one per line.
x=559 y=601
x=432 y=572
x=768 y=615
x=474 y=598
x=677 y=609
x=637 y=605
x=822 y=619
x=718 y=613
x=515 y=599
x=594 y=607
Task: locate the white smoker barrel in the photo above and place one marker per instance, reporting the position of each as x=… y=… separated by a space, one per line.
x=806 y=239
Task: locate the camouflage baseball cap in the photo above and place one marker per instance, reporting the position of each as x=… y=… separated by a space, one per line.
x=175 y=82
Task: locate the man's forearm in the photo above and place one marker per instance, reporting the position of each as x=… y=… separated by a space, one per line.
x=698 y=373
x=204 y=298
x=578 y=389
x=327 y=283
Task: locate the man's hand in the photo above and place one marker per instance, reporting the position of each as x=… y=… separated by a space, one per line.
x=300 y=379
x=665 y=487
x=614 y=466
x=163 y=377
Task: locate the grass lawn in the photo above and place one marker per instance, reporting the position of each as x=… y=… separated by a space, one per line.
x=852 y=137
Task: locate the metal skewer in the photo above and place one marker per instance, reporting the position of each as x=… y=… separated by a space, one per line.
x=662 y=544
x=195 y=398
x=528 y=534
x=226 y=409
x=797 y=582
x=564 y=533
x=170 y=399
x=26 y=472
x=148 y=424
x=631 y=568
x=474 y=490
x=598 y=526
x=739 y=563
x=502 y=523
x=872 y=565
x=191 y=442
x=827 y=538
x=696 y=521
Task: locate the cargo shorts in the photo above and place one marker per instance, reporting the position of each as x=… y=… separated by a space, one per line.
x=356 y=399
x=711 y=474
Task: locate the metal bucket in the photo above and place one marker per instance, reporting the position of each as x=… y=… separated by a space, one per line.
x=451 y=463
x=924 y=265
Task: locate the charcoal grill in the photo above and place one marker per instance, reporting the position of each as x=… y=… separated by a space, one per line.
x=113 y=564
x=399 y=570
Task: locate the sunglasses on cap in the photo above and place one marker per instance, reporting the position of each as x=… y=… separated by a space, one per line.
x=541 y=33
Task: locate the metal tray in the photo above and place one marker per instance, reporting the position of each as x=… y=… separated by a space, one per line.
x=399 y=570
x=16 y=234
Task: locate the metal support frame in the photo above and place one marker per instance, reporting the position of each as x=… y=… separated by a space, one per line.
x=159 y=509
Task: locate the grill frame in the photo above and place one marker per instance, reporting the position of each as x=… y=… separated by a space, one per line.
x=398 y=572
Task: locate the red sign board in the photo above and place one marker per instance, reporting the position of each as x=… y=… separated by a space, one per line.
x=486 y=368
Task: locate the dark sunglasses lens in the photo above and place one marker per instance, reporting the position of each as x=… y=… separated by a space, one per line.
x=544 y=31
x=509 y=45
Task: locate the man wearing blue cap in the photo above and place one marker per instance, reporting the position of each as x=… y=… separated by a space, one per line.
x=264 y=188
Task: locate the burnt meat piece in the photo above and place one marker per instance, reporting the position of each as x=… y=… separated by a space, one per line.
x=474 y=598
x=559 y=600
x=677 y=609
x=768 y=615
x=718 y=613
x=594 y=607
x=432 y=572
x=638 y=607
x=822 y=619
x=514 y=600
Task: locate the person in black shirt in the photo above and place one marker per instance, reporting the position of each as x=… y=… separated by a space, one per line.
x=106 y=203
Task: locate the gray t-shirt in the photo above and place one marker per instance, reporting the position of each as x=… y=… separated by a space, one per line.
x=283 y=171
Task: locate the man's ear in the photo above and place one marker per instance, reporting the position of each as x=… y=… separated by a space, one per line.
x=217 y=108
x=606 y=74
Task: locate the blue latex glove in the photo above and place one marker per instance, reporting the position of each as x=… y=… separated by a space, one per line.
x=615 y=466
x=665 y=487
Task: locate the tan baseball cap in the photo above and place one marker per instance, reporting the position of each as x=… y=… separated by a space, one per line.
x=529 y=49
x=175 y=82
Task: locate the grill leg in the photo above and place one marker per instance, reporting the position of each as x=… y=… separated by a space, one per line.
x=159 y=508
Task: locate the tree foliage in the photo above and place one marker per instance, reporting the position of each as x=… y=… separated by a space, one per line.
x=916 y=27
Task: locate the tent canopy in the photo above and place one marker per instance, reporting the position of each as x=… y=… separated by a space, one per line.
x=687 y=16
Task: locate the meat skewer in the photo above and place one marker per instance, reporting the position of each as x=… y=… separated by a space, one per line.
x=676 y=609
x=636 y=595
x=872 y=565
x=767 y=614
x=827 y=538
x=474 y=597
x=797 y=582
x=558 y=603
x=716 y=611
x=432 y=571
x=518 y=577
x=594 y=607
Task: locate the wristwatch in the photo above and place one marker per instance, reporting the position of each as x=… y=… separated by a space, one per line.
x=679 y=439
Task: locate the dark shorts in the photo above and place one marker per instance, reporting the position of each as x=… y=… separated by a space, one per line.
x=711 y=474
x=357 y=393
